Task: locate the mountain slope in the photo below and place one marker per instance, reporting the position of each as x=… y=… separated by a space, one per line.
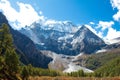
x=94 y=61
x=112 y=68
x=26 y=48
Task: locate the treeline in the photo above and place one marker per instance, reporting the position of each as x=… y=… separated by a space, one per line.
x=32 y=71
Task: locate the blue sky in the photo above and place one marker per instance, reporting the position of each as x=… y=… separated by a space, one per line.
x=101 y=16
x=77 y=11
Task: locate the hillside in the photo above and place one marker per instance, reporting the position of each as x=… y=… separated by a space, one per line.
x=112 y=68
x=97 y=60
x=25 y=47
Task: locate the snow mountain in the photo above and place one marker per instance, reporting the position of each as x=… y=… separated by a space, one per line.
x=86 y=41
x=63 y=38
x=61 y=26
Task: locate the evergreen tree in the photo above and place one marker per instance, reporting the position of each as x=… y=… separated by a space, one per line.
x=12 y=61
x=8 y=58
x=25 y=73
x=6 y=38
x=81 y=73
x=11 y=58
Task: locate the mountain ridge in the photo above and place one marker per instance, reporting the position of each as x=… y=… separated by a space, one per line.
x=63 y=42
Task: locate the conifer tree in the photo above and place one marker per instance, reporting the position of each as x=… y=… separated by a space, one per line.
x=8 y=56
x=25 y=73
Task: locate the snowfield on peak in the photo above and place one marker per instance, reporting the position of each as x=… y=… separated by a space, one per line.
x=61 y=26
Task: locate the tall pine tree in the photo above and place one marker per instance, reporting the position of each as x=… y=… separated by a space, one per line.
x=9 y=59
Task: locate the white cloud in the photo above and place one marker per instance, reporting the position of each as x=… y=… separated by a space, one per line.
x=112 y=33
x=11 y=13
x=116 y=4
x=40 y=12
x=25 y=16
x=105 y=25
x=92 y=23
x=102 y=26
x=117 y=16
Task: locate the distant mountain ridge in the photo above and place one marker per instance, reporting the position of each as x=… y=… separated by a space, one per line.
x=65 y=41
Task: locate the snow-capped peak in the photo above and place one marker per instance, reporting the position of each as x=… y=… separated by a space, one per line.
x=61 y=26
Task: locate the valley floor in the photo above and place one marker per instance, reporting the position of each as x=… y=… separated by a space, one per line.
x=72 y=78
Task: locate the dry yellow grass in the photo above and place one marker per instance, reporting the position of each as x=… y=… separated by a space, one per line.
x=71 y=78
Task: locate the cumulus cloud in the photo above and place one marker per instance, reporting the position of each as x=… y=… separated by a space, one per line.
x=5 y=7
x=100 y=28
x=92 y=23
x=40 y=12
x=112 y=33
x=117 y=16
x=25 y=16
x=116 y=4
x=105 y=25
